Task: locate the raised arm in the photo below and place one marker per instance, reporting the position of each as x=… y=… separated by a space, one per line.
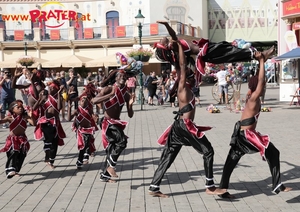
x=170 y=29
x=181 y=72
x=261 y=76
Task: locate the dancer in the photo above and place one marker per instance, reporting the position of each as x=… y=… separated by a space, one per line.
x=184 y=132
x=36 y=86
x=246 y=140
x=16 y=145
x=205 y=51
x=49 y=126
x=84 y=125
x=113 y=137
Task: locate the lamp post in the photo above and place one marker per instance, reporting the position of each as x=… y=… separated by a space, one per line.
x=140 y=21
x=25 y=48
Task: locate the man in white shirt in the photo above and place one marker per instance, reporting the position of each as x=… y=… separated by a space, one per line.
x=23 y=80
x=222 y=82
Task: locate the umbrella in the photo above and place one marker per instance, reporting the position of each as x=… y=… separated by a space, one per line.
x=293 y=54
x=68 y=61
x=12 y=63
x=110 y=60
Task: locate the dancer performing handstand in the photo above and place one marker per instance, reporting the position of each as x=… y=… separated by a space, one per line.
x=113 y=137
x=184 y=132
x=246 y=140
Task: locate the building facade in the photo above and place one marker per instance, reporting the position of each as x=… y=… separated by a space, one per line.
x=289 y=38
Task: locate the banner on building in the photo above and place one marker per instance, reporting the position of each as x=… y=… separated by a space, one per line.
x=54 y=34
x=153 y=29
x=19 y=34
x=88 y=33
x=121 y=31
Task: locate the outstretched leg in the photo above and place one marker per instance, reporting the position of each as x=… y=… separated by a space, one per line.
x=272 y=155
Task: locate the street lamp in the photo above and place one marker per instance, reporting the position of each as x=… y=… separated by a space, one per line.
x=140 y=21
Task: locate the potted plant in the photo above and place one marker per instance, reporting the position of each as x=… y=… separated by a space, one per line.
x=26 y=61
x=140 y=54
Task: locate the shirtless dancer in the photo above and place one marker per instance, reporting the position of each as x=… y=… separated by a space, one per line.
x=36 y=86
x=246 y=140
x=184 y=132
x=113 y=137
x=49 y=126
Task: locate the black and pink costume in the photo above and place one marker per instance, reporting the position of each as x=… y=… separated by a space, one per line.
x=113 y=138
x=16 y=147
x=248 y=142
x=50 y=130
x=85 y=135
x=183 y=132
x=216 y=53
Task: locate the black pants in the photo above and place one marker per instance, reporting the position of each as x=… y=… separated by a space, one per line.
x=50 y=142
x=224 y=52
x=236 y=152
x=85 y=152
x=179 y=136
x=117 y=143
x=15 y=160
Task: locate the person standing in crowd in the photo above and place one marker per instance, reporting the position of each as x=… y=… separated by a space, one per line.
x=164 y=79
x=72 y=83
x=246 y=140
x=7 y=93
x=170 y=84
x=113 y=138
x=89 y=78
x=131 y=84
x=153 y=81
x=222 y=77
x=23 y=80
x=100 y=77
x=184 y=132
x=49 y=127
x=16 y=144
x=196 y=92
x=62 y=80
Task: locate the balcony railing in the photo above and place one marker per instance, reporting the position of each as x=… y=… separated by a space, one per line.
x=71 y=33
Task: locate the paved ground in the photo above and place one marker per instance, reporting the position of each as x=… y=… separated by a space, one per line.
x=66 y=189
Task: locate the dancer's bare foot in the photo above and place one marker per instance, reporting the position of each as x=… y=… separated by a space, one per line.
x=50 y=165
x=267 y=53
x=215 y=191
x=287 y=189
x=112 y=171
x=86 y=162
x=158 y=194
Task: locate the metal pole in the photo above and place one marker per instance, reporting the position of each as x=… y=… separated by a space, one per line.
x=141 y=71
x=25 y=48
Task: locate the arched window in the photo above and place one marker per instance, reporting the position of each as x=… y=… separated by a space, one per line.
x=112 y=21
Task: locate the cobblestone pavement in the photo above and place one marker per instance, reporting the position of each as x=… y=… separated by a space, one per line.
x=65 y=189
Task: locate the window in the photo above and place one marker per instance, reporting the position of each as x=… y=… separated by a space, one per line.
x=112 y=21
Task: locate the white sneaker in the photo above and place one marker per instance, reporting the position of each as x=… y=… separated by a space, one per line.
x=4 y=126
